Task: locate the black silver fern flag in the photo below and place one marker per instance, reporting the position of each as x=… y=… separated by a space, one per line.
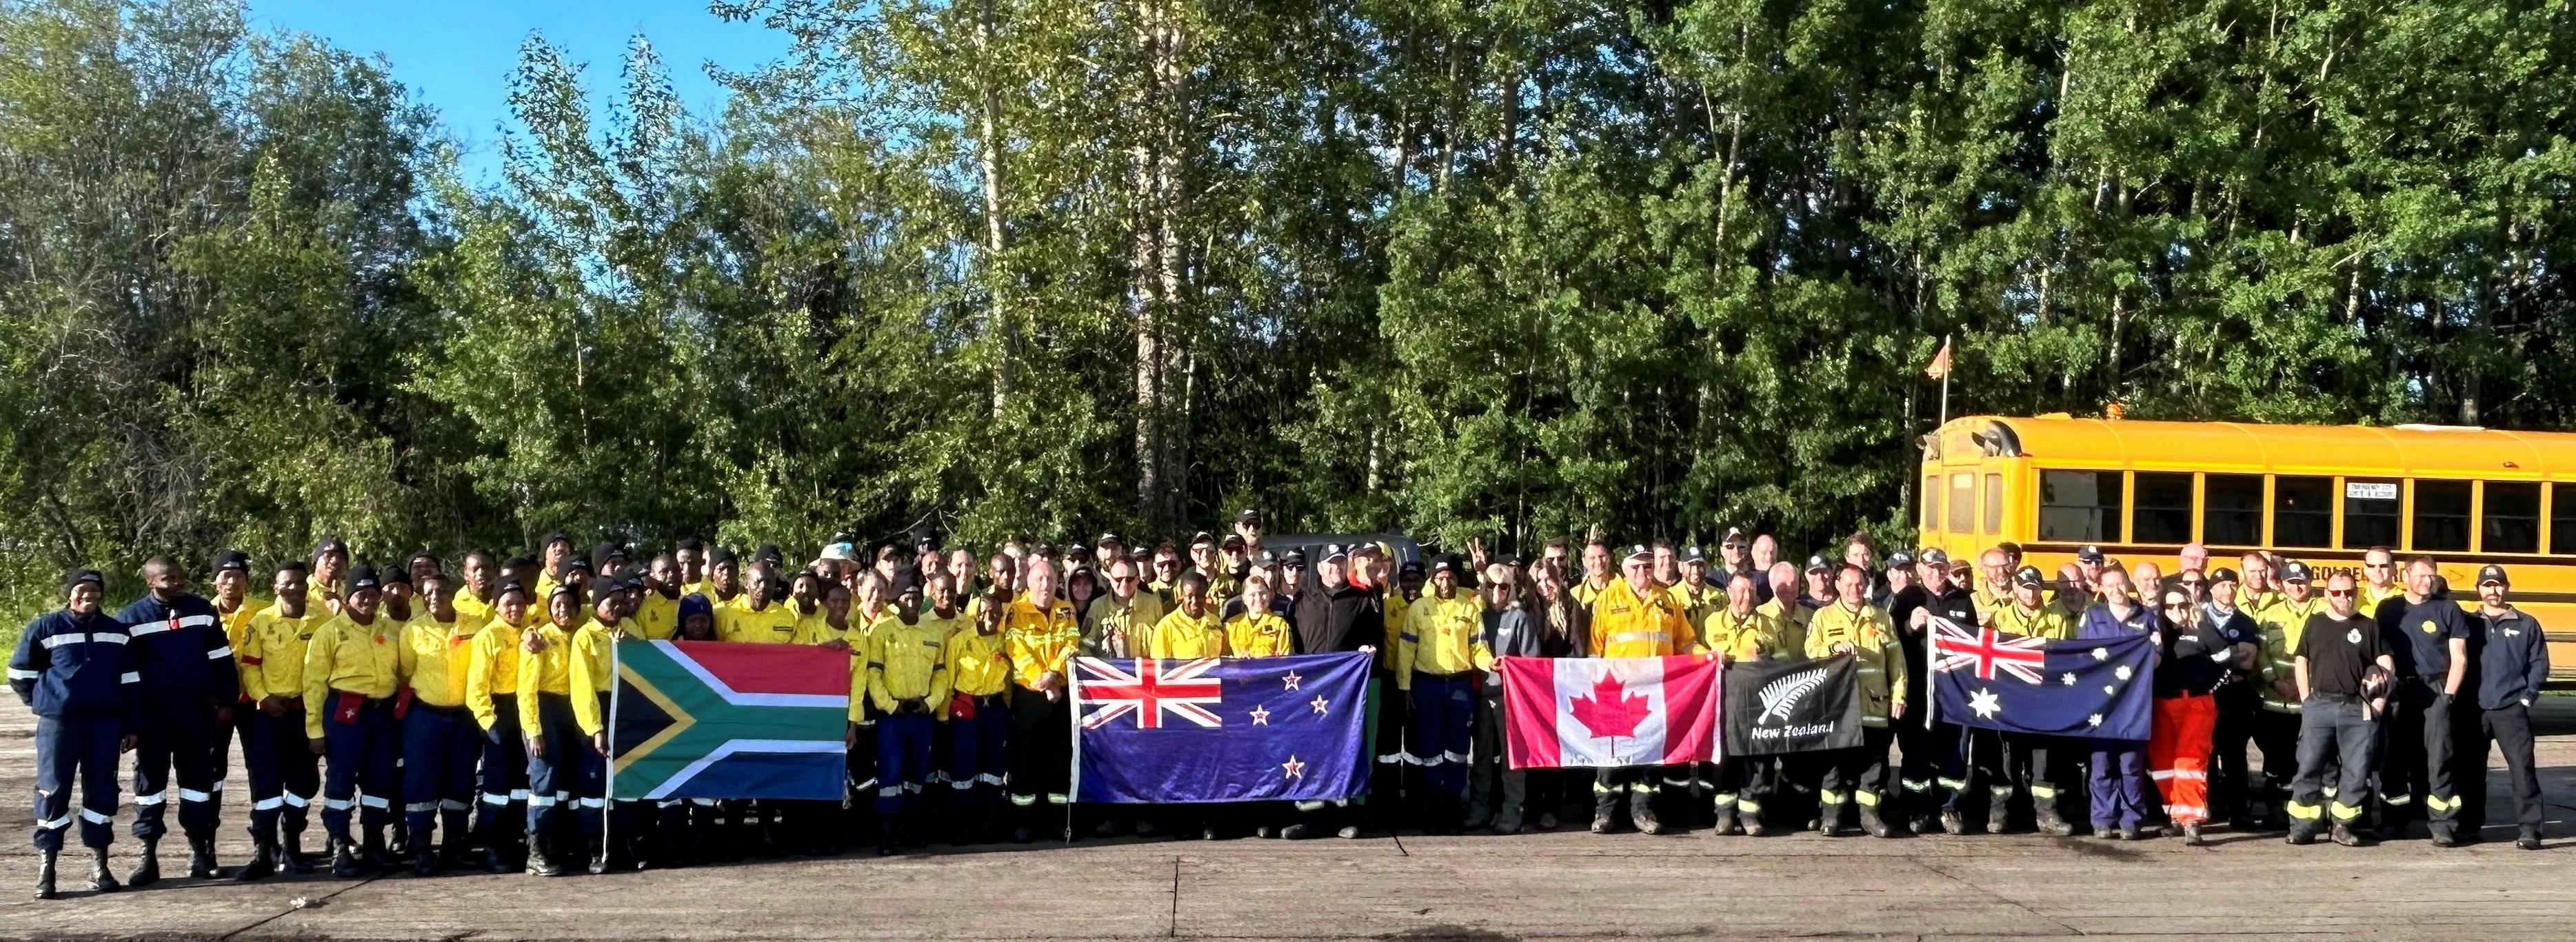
x=1776 y=707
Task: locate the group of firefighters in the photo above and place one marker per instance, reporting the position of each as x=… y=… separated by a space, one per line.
x=464 y=713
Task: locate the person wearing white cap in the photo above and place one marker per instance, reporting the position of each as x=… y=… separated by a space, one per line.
x=1633 y=617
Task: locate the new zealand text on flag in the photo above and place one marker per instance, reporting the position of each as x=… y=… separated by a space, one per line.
x=2098 y=688
x=709 y=719
x=1251 y=729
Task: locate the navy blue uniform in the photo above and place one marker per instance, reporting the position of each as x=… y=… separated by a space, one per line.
x=2420 y=728
x=187 y=668
x=76 y=673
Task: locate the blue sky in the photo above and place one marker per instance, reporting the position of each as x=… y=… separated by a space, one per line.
x=456 y=55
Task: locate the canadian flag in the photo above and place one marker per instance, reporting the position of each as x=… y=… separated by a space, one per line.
x=1605 y=712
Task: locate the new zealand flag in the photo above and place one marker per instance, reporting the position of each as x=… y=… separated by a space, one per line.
x=1255 y=729
x=2091 y=687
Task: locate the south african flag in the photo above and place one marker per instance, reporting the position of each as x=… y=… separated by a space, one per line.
x=706 y=719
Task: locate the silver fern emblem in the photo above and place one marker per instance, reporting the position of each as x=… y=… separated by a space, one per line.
x=1782 y=695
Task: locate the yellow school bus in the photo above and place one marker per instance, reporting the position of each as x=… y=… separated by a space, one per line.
x=2324 y=494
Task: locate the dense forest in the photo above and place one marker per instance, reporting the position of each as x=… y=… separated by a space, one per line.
x=1026 y=267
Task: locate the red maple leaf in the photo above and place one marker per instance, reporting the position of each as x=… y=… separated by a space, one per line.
x=1610 y=713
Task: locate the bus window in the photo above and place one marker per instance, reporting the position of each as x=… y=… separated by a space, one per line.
x=2562 y=518
x=2079 y=506
x=2231 y=510
x=2302 y=512
x=1932 y=502
x=2510 y=522
x=1994 y=504
x=2442 y=516
x=2369 y=513
x=1963 y=503
x=2163 y=509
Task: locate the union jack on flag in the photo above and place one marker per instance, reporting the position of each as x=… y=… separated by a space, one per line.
x=1113 y=689
x=1988 y=650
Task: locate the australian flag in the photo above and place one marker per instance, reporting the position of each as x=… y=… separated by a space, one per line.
x=1257 y=729
x=2092 y=687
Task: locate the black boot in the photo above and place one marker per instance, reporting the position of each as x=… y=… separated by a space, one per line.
x=598 y=856
x=344 y=859
x=1605 y=809
x=1951 y=823
x=1723 y=823
x=452 y=841
x=373 y=856
x=45 y=873
x=147 y=871
x=1998 y=810
x=201 y=859
x=1829 y=818
x=424 y=859
x=262 y=865
x=2044 y=811
x=100 y=880
x=291 y=854
x=538 y=863
x=1641 y=810
x=887 y=846
x=1872 y=824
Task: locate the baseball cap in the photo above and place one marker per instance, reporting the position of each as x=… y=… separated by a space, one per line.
x=1639 y=551
x=1109 y=539
x=1734 y=537
x=1409 y=569
x=839 y=552
x=1333 y=551
x=1817 y=563
x=563 y=588
x=2090 y=553
x=232 y=561
x=363 y=577
x=1202 y=537
x=1900 y=560
x=1232 y=542
x=1691 y=554
x=2223 y=574
x=1295 y=557
x=2029 y=575
x=569 y=564
x=2294 y=571
x=1932 y=555
x=509 y=586
x=1248 y=515
x=1445 y=563
x=2492 y=573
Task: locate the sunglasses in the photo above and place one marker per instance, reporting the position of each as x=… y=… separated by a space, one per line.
x=2333 y=594
x=2176 y=606
x=1122 y=578
x=2191 y=582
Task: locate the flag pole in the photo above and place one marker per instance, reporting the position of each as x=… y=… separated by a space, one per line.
x=1073 y=728
x=1945 y=384
x=607 y=821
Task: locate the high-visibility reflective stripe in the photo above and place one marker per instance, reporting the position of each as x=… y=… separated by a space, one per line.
x=541 y=801
x=1024 y=800
x=915 y=788
x=2398 y=800
x=703 y=802
x=592 y=802
x=337 y=804
x=419 y=807
x=518 y=794
x=129 y=677
x=268 y=804
x=1601 y=789
x=220 y=783
x=451 y=804
x=294 y=800
x=219 y=654
x=2440 y=804
x=864 y=786
x=495 y=799
x=1059 y=798
x=190 y=794
x=2344 y=812
x=56 y=641
x=94 y=817
x=890 y=791
x=672 y=803
x=2000 y=791
x=989 y=778
x=1748 y=806
x=55 y=824
x=17 y=674
x=2042 y=791
x=1916 y=785
x=1722 y=800
x=1312 y=806
x=1426 y=761
x=152 y=799
x=961 y=784
x=1669 y=782
x=2186 y=811
x=1453 y=756
x=372 y=801
x=1832 y=797
x=2304 y=812
x=1867 y=798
